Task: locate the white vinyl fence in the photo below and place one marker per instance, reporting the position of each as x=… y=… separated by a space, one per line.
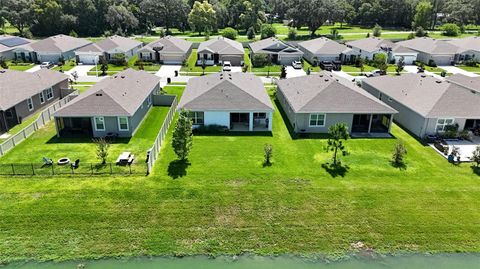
x=45 y=116
x=155 y=149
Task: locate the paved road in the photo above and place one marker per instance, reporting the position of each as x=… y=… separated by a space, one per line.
x=33 y=69
x=456 y=70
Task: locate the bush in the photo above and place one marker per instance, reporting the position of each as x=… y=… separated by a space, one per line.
x=420 y=32
x=398 y=156
x=292 y=33
x=450 y=29
x=411 y=36
x=161 y=33
x=377 y=30
x=267 y=31
x=432 y=63
x=471 y=63
x=209 y=129
x=268 y=150
x=230 y=33
x=251 y=33
x=260 y=60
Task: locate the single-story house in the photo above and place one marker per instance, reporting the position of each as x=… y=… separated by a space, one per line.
x=50 y=49
x=427 y=105
x=217 y=50
x=368 y=47
x=23 y=94
x=440 y=51
x=166 y=50
x=237 y=101
x=9 y=43
x=108 y=48
x=115 y=105
x=324 y=49
x=278 y=51
x=468 y=48
x=313 y=103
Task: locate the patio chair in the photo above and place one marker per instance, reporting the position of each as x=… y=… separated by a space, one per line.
x=76 y=164
x=47 y=161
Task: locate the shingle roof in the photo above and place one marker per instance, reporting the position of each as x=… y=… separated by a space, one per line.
x=371 y=44
x=429 y=96
x=221 y=45
x=118 y=95
x=9 y=37
x=273 y=45
x=472 y=83
x=16 y=86
x=324 y=46
x=226 y=91
x=466 y=44
x=118 y=43
x=57 y=44
x=326 y=94
x=169 y=44
x=430 y=46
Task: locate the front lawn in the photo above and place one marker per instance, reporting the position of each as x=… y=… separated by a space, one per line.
x=193 y=67
x=19 y=66
x=436 y=70
x=354 y=69
x=69 y=65
x=474 y=69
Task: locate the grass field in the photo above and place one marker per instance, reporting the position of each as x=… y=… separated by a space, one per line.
x=69 y=65
x=224 y=201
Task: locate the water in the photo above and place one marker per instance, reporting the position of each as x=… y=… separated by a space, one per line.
x=444 y=261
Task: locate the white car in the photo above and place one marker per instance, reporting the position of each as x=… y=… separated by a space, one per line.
x=297 y=65
x=227 y=66
x=47 y=65
x=377 y=73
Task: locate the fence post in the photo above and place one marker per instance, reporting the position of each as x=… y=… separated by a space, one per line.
x=130 y=169
x=24 y=135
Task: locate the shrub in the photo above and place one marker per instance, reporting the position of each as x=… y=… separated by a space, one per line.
x=450 y=29
x=420 y=32
x=283 y=74
x=251 y=33
x=443 y=74
x=432 y=63
x=267 y=31
x=476 y=156
x=161 y=33
x=335 y=35
x=182 y=136
x=230 y=33
x=260 y=60
x=268 y=150
x=471 y=62
x=3 y=64
x=292 y=33
x=411 y=36
x=380 y=61
x=102 y=149
x=209 y=129
x=398 y=156
x=377 y=30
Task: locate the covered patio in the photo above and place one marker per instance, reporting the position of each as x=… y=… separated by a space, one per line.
x=73 y=126
x=250 y=121
x=372 y=123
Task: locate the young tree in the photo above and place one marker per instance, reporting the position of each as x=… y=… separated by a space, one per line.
x=283 y=73
x=398 y=156
x=102 y=149
x=202 y=17
x=182 y=136
x=423 y=14
x=268 y=151
x=400 y=65
x=267 y=31
x=103 y=66
x=476 y=156
x=338 y=135
x=377 y=30
x=380 y=61
x=251 y=33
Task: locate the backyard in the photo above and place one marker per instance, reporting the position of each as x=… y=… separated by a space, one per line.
x=224 y=201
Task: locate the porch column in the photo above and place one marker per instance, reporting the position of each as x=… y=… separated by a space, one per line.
x=56 y=127
x=370 y=123
x=250 y=121
x=390 y=123
x=270 y=119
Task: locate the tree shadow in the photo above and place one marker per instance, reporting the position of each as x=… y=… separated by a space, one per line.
x=178 y=168
x=336 y=170
x=400 y=166
x=476 y=170
x=265 y=164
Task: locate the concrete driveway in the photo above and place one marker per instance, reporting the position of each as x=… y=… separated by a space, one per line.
x=456 y=70
x=33 y=69
x=166 y=71
x=82 y=70
x=414 y=69
x=292 y=72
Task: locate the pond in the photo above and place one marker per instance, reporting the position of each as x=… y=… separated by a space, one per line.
x=437 y=261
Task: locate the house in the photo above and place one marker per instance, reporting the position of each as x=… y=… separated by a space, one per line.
x=50 y=49
x=110 y=48
x=115 y=105
x=366 y=48
x=276 y=50
x=313 y=103
x=237 y=101
x=23 y=94
x=324 y=49
x=9 y=43
x=429 y=49
x=427 y=105
x=217 y=50
x=166 y=50
x=468 y=48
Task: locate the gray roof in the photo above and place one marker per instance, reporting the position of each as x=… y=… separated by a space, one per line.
x=273 y=45
x=57 y=44
x=428 y=96
x=371 y=44
x=221 y=45
x=169 y=44
x=472 y=83
x=430 y=46
x=466 y=44
x=4 y=47
x=118 y=95
x=323 y=93
x=324 y=46
x=226 y=92
x=118 y=43
x=17 y=86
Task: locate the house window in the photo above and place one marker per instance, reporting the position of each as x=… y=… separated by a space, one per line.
x=30 y=104
x=259 y=115
x=42 y=98
x=99 y=124
x=123 y=123
x=443 y=123
x=317 y=120
x=149 y=100
x=196 y=117
x=49 y=93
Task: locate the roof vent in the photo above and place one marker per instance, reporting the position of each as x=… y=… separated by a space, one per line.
x=321 y=75
x=423 y=76
x=122 y=76
x=438 y=81
x=326 y=79
x=98 y=94
x=2 y=71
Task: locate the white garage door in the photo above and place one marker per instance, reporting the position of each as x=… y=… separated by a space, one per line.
x=408 y=60
x=87 y=59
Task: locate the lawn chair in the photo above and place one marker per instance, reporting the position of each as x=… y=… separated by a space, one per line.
x=47 y=161
x=75 y=164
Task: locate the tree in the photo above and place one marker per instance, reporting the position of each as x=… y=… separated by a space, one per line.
x=420 y=32
x=121 y=19
x=268 y=151
x=310 y=13
x=167 y=13
x=103 y=65
x=102 y=149
x=398 y=156
x=230 y=33
x=423 y=14
x=283 y=73
x=338 y=135
x=202 y=17
x=253 y=14
x=344 y=12
x=18 y=13
x=476 y=156
x=251 y=33
x=182 y=136
x=377 y=30
x=380 y=61
x=450 y=29
x=400 y=65
x=292 y=33
x=267 y=31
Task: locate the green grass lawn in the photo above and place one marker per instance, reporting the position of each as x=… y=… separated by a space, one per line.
x=434 y=69
x=19 y=66
x=19 y=127
x=475 y=69
x=354 y=69
x=174 y=90
x=69 y=65
x=193 y=67
x=265 y=69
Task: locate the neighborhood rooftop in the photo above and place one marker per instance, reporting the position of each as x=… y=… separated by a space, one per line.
x=169 y=44
x=326 y=94
x=324 y=46
x=371 y=44
x=226 y=91
x=221 y=45
x=467 y=44
x=272 y=44
x=118 y=43
x=8 y=42
x=118 y=95
x=472 y=83
x=429 y=45
x=428 y=96
x=17 y=86
x=57 y=44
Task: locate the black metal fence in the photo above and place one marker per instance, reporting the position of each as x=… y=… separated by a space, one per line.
x=26 y=169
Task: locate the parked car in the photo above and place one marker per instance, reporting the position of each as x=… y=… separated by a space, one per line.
x=47 y=65
x=377 y=73
x=227 y=66
x=297 y=65
x=327 y=66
